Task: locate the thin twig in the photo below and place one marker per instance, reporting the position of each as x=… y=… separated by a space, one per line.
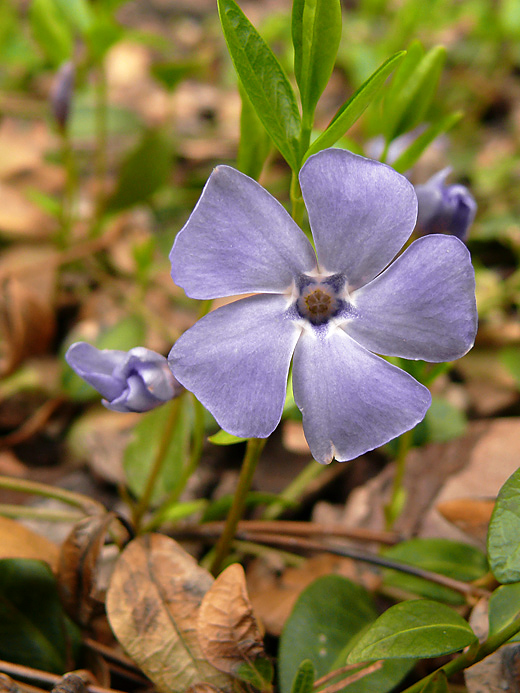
x=43 y=678
x=340 y=685
x=33 y=424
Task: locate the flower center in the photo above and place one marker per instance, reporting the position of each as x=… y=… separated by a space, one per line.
x=317 y=302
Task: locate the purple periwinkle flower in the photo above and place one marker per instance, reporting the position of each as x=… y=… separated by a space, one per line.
x=444 y=208
x=327 y=311
x=137 y=380
x=61 y=95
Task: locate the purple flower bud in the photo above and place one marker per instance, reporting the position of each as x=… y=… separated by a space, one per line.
x=61 y=95
x=137 y=380
x=448 y=209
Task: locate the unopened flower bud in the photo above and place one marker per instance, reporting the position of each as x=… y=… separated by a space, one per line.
x=61 y=94
x=448 y=209
x=130 y=381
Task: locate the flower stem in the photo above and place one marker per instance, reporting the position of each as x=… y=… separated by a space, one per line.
x=395 y=506
x=296 y=200
x=159 y=460
x=253 y=451
x=472 y=655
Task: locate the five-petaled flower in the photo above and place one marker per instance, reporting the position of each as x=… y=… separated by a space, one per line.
x=445 y=208
x=329 y=312
x=130 y=381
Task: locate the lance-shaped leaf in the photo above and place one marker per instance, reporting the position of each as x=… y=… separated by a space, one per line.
x=316 y=33
x=355 y=106
x=254 y=144
x=152 y=605
x=303 y=681
x=264 y=80
x=416 y=628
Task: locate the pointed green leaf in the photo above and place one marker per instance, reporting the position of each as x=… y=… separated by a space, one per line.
x=254 y=144
x=411 y=100
x=412 y=153
x=51 y=30
x=354 y=107
x=316 y=33
x=504 y=608
x=225 y=438
x=438 y=683
x=304 y=679
x=264 y=80
x=416 y=628
x=504 y=529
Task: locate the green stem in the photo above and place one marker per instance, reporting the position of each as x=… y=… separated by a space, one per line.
x=294 y=491
x=67 y=204
x=101 y=167
x=472 y=655
x=253 y=450
x=193 y=462
x=88 y=505
x=297 y=206
x=159 y=460
x=42 y=514
x=395 y=505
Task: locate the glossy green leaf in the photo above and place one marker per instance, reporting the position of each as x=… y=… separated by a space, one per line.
x=303 y=681
x=34 y=630
x=146 y=438
x=417 y=628
x=327 y=615
x=51 y=30
x=316 y=33
x=504 y=608
x=438 y=683
x=264 y=80
x=144 y=171
x=124 y=335
x=354 y=107
x=451 y=558
x=414 y=94
x=504 y=530
x=254 y=145
x=413 y=152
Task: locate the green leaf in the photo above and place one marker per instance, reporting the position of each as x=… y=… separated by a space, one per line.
x=264 y=80
x=304 y=678
x=34 y=630
x=225 y=438
x=316 y=33
x=451 y=558
x=438 y=683
x=412 y=153
x=143 y=172
x=443 y=421
x=504 y=608
x=354 y=107
x=254 y=144
x=417 y=628
x=146 y=438
x=413 y=94
x=324 y=619
x=77 y=12
x=504 y=529
x=258 y=673
x=510 y=358
x=51 y=30
x=179 y=511
x=170 y=74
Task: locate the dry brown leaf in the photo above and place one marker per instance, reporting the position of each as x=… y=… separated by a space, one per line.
x=203 y=688
x=27 y=323
x=228 y=631
x=77 y=566
x=470 y=515
x=17 y=541
x=152 y=605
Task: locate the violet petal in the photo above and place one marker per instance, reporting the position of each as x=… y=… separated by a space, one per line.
x=236 y=361
x=422 y=306
x=351 y=400
x=238 y=239
x=96 y=367
x=361 y=212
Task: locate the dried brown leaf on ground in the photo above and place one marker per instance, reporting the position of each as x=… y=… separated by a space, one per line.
x=77 y=566
x=228 y=631
x=152 y=605
x=471 y=515
x=17 y=541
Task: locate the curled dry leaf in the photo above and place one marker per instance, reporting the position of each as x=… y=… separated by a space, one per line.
x=228 y=631
x=77 y=566
x=152 y=606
